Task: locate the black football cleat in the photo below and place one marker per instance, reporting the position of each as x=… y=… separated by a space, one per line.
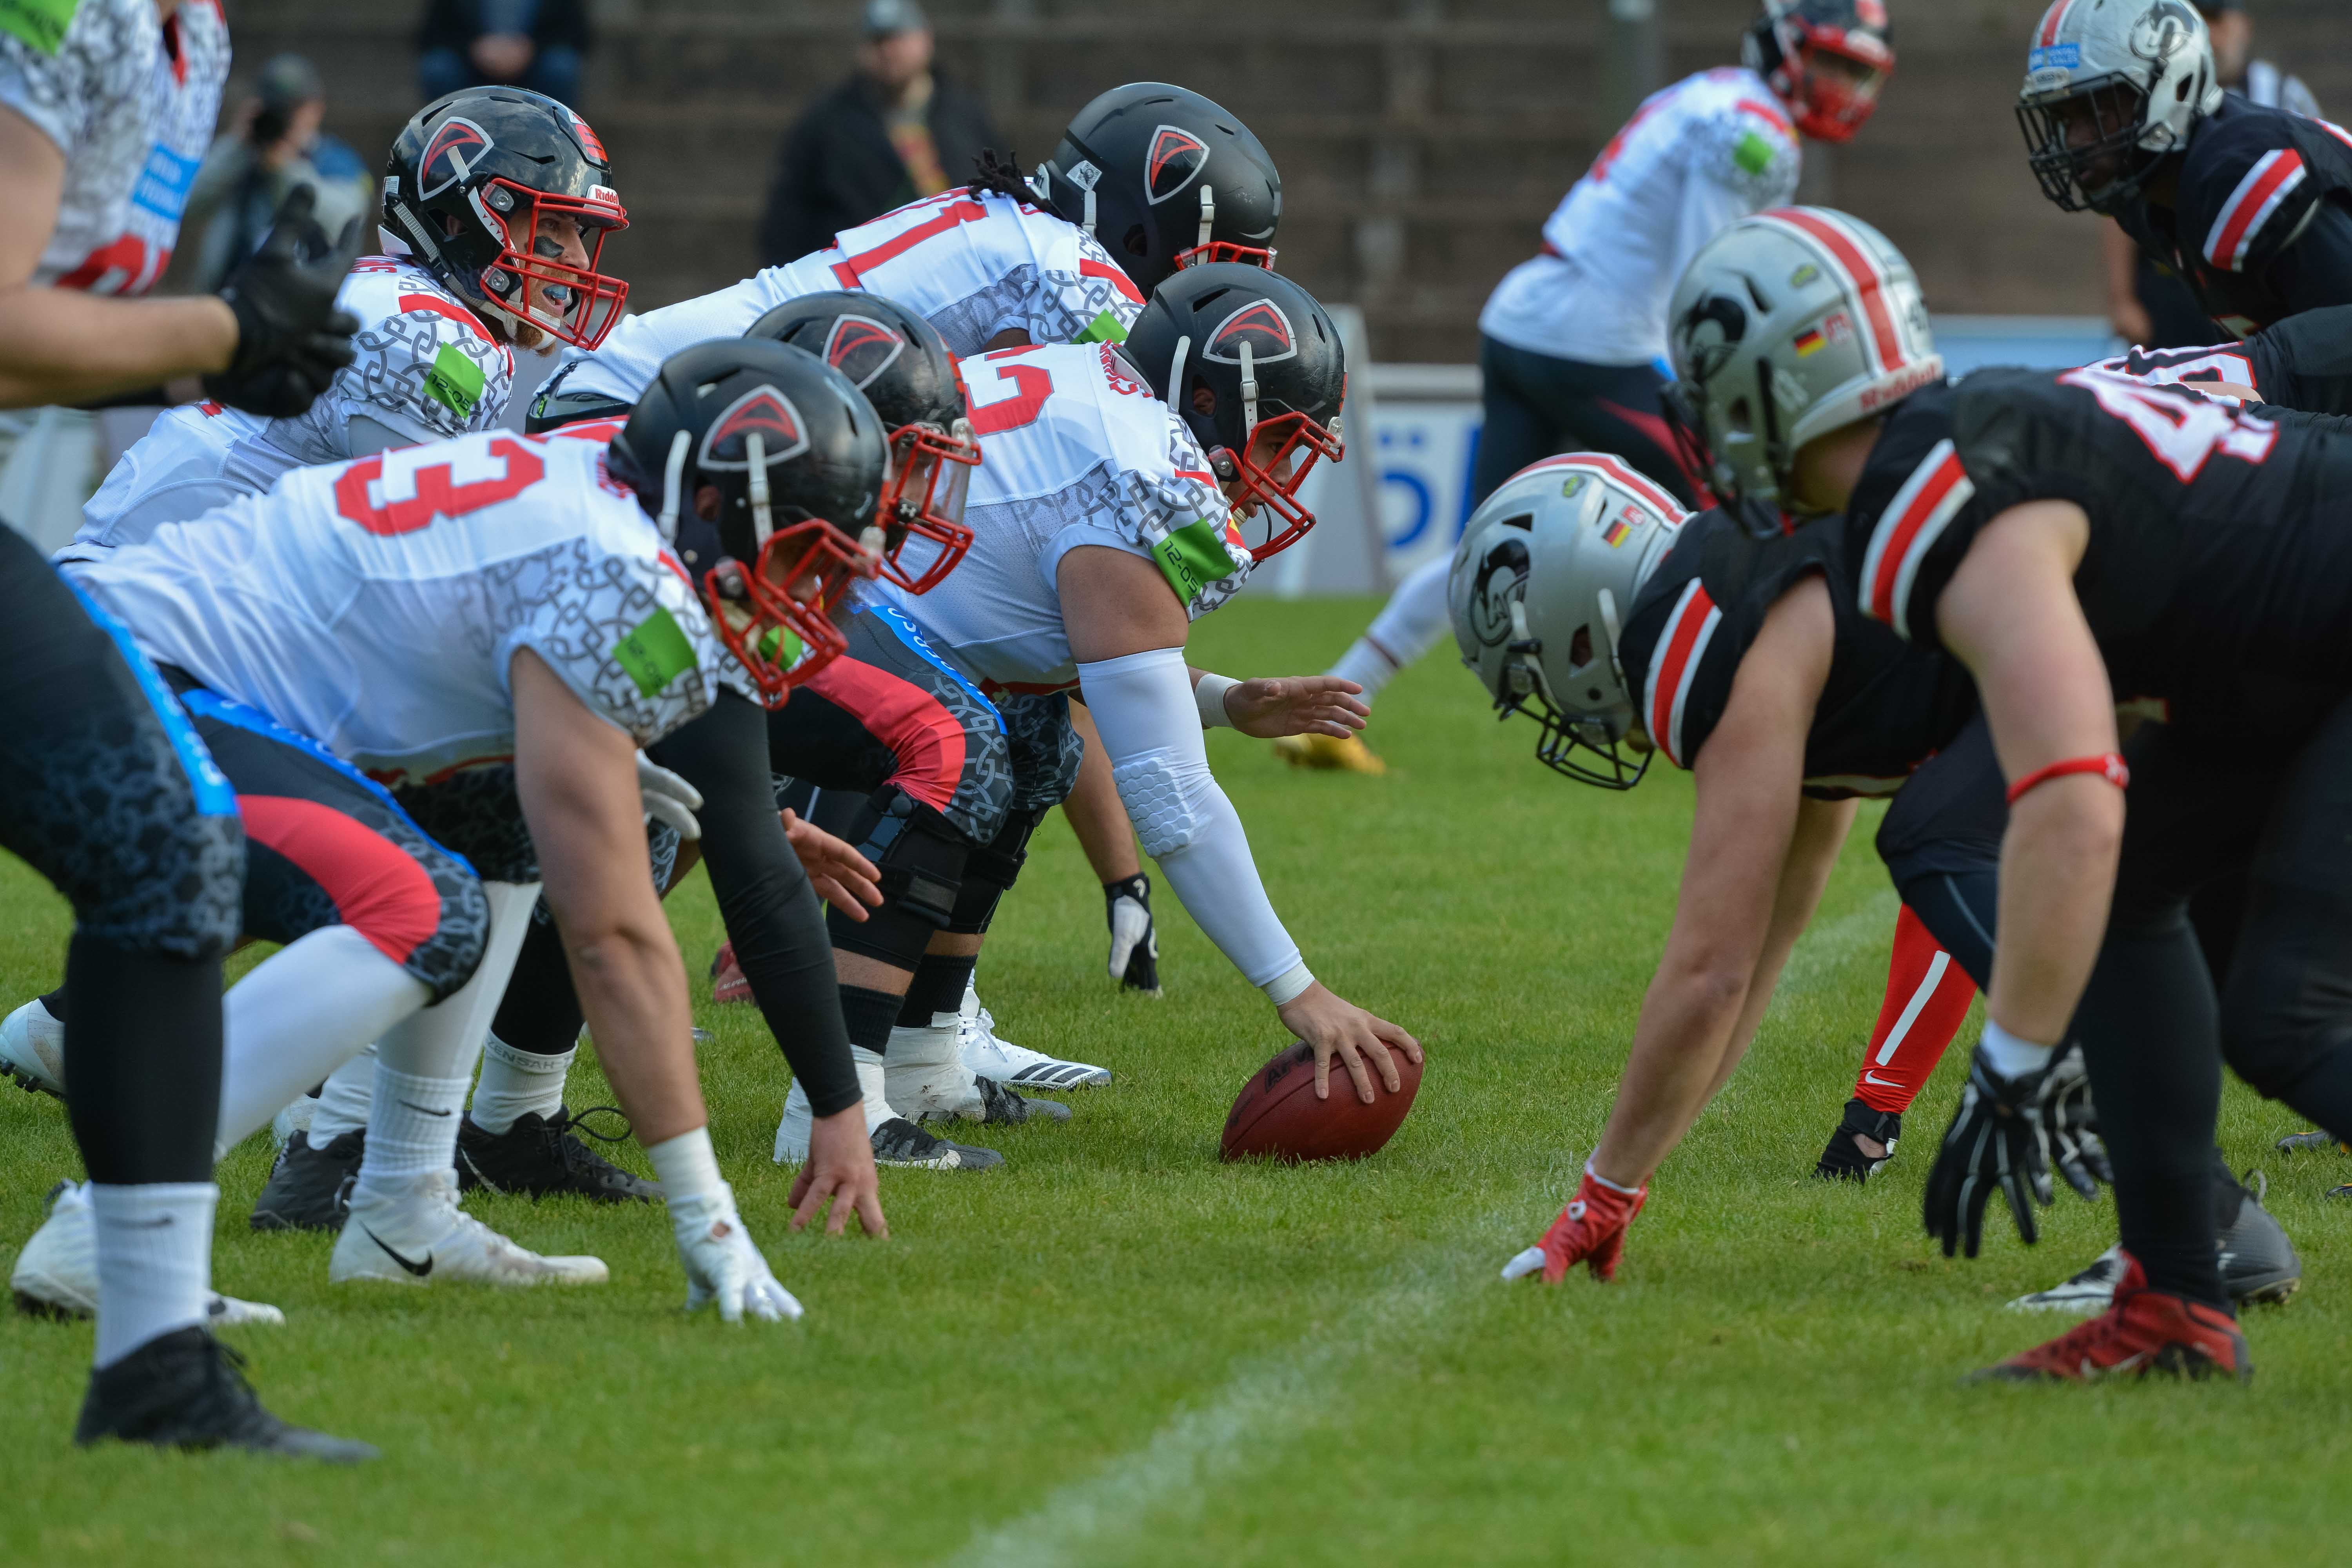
x=539 y=1157
x=1843 y=1159
x=310 y=1188
x=900 y=1142
x=2312 y=1142
x=2258 y=1262
x=187 y=1390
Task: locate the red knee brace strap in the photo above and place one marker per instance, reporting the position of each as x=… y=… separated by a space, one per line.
x=2108 y=766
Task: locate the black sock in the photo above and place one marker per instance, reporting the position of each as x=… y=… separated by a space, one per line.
x=143 y=1076
x=938 y=987
x=56 y=1003
x=541 y=1012
x=869 y=1016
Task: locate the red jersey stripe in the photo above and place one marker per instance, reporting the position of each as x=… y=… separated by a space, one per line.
x=1908 y=530
x=1680 y=647
x=2270 y=181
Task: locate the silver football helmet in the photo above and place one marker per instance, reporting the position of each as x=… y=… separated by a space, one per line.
x=2130 y=77
x=1542 y=583
x=1786 y=326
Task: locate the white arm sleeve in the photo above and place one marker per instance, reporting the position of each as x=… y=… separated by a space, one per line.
x=1142 y=706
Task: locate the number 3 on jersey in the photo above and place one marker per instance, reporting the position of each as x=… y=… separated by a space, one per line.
x=1004 y=394
x=408 y=498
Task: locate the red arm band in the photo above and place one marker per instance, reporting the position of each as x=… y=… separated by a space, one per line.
x=2109 y=766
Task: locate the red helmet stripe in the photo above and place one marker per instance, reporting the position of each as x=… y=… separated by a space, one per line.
x=1617 y=472
x=1862 y=275
x=2052 y=20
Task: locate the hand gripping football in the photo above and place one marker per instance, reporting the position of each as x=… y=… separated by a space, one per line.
x=1278 y=1115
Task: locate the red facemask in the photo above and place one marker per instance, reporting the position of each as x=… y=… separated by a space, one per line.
x=1226 y=250
x=590 y=304
x=935 y=513
x=777 y=617
x=1829 y=105
x=1267 y=488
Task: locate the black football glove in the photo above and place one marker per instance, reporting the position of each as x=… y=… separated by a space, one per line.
x=1998 y=1139
x=290 y=338
x=2073 y=1125
x=1134 y=945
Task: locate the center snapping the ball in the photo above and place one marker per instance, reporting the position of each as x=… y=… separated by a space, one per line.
x=1278 y=1115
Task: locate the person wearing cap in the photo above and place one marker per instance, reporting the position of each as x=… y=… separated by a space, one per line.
x=893 y=131
x=274 y=146
x=533 y=44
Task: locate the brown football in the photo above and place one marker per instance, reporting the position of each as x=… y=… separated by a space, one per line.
x=1278 y=1115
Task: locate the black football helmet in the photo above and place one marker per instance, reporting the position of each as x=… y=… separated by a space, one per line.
x=470 y=177
x=902 y=365
x=799 y=459
x=1786 y=46
x=1164 y=179
x=1258 y=373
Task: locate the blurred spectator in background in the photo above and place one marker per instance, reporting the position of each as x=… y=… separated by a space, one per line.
x=2147 y=304
x=893 y=131
x=534 y=44
x=274 y=146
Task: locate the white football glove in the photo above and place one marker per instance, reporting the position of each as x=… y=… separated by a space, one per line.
x=722 y=1263
x=1134 y=944
x=668 y=798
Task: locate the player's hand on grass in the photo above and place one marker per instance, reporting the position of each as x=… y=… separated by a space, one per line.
x=1590 y=1230
x=841 y=877
x=668 y=798
x=1296 y=705
x=840 y=1166
x=1335 y=1026
x=2072 y=1120
x=722 y=1263
x=1998 y=1141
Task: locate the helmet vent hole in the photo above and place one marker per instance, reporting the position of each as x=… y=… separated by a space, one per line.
x=1136 y=242
x=1763 y=305
x=1579 y=648
x=1525 y=523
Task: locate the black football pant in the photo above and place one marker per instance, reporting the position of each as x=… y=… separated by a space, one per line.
x=107 y=792
x=1537 y=406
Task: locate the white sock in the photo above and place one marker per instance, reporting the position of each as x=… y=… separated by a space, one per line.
x=412 y=1127
x=1408 y=626
x=515 y=1084
x=344 y=1102
x=1369 y=665
x=300 y=1016
x=869 y=1084
x=154 y=1261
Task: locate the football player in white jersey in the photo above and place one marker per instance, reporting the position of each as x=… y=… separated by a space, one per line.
x=105 y=789
x=1572 y=341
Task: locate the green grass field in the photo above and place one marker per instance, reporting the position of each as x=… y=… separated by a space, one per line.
x=1117 y=1350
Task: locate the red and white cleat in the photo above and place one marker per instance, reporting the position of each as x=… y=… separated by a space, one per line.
x=727 y=982
x=2146 y=1330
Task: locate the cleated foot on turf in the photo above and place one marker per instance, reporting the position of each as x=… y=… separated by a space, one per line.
x=2146 y=1330
x=1329 y=753
x=414 y=1234
x=2312 y=1142
x=33 y=1050
x=57 y=1274
x=538 y=1157
x=311 y=1187
x=2258 y=1262
x=1016 y=1067
x=727 y=982
x=187 y=1390
x=1845 y=1159
x=900 y=1142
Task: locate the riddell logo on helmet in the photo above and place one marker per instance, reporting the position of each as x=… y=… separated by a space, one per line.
x=1903 y=386
x=451 y=155
x=763 y=411
x=1262 y=326
x=862 y=348
x=1176 y=161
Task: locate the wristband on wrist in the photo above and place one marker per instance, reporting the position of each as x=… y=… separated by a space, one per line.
x=1209 y=693
x=1289 y=985
x=2010 y=1056
x=687 y=1166
x=1603 y=1181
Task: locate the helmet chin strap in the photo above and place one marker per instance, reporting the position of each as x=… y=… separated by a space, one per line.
x=1249 y=396
x=1615 y=630
x=1042 y=182
x=763 y=523
x=672 y=476
x=1208 y=212
x=1176 y=375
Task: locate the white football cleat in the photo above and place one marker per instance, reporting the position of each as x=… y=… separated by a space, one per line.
x=33 y=1049
x=295 y=1118
x=1016 y=1067
x=416 y=1235
x=2088 y=1293
x=57 y=1274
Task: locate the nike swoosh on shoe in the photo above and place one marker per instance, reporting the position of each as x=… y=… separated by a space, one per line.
x=419 y=1270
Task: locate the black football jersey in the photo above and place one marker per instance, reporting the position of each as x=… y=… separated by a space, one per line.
x=2304 y=362
x=2218 y=574
x=2250 y=183
x=1887 y=706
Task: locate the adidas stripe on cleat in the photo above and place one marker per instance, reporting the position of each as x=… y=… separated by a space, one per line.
x=1016 y=1067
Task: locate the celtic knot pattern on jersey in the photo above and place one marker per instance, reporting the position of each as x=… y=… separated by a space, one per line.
x=477 y=812
x=398 y=359
x=1044 y=747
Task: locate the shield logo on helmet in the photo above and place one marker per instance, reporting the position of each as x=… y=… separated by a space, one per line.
x=450 y=156
x=862 y=348
x=1176 y=160
x=1501 y=580
x=763 y=411
x=1261 y=325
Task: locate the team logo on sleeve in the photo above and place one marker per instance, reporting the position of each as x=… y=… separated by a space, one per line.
x=455 y=148
x=862 y=348
x=762 y=411
x=1261 y=325
x=1176 y=161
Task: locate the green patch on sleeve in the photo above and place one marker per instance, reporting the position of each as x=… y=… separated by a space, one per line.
x=781 y=648
x=656 y=653
x=1754 y=152
x=1193 y=557
x=453 y=381
x=40 y=23
x=1103 y=329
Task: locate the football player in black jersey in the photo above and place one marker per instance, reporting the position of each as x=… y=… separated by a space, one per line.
x=2251 y=206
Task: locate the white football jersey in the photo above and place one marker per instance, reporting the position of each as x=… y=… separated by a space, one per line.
x=1074 y=450
x=132 y=104
x=374 y=606
x=1697 y=156
x=427 y=369
x=971 y=266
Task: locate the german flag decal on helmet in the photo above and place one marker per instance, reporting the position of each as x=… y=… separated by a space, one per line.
x=862 y=348
x=451 y=155
x=763 y=410
x=1176 y=160
x=1262 y=325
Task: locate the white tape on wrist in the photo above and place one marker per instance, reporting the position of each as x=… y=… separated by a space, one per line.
x=1209 y=692
x=687 y=1166
x=2011 y=1057
x=1289 y=985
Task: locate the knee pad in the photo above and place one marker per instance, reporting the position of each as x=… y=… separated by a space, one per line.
x=921 y=858
x=990 y=871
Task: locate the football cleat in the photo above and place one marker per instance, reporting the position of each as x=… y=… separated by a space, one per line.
x=2091 y=1290
x=925 y=1079
x=538 y=1157
x=1845 y=1160
x=57 y=1274
x=2312 y=1142
x=1017 y=1067
x=187 y=1390
x=727 y=982
x=1329 y=753
x=295 y=1118
x=2146 y=1330
x=33 y=1050
x=897 y=1141
x=2258 y=1262
x=414 y=1234
x=310 y=1188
